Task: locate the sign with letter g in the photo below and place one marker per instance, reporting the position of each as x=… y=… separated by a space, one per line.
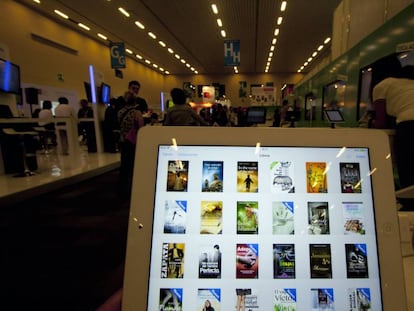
x=117 y=50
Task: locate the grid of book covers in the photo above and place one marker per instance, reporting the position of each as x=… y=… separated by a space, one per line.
x=279 y=229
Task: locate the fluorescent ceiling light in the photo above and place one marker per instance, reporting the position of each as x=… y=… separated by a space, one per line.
x=83 y=26
x=140 y=25
x=123 y=11
x=61 y=14
x=279 y=20
x=102 y=36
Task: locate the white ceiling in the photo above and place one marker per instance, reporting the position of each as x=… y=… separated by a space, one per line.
x=189 y=27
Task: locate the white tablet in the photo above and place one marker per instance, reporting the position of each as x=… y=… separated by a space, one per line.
x=263 y=219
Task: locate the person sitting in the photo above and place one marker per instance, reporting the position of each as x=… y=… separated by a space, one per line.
x=48 y=137
x=64 y=110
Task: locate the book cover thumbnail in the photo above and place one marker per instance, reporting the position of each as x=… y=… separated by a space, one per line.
x=177 y=179
x=322 y=299
x=211 y=217
x=247 y=261
x=212 y=177
x=356 y=261
x=171 y=299
x=284 y=261
x=350 y=177
x=283 y=217
x=247 y=299
x=359 y=299
x=247 y=217
x=284 y=299
x=320 y=261
x=318 y=218
x=210 y=262
x=353 y=213
x=316 y=178
x=172 y=261
x=175 y=215
x=281 y=177
x=209 y=299
x=247 y=177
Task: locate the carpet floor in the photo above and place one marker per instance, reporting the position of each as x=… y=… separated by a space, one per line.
x=64 y=250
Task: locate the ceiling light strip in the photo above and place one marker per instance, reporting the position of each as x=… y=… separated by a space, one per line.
x=314 y=54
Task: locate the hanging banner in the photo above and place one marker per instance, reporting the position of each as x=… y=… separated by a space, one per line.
x=231 y=53
x=117 y=55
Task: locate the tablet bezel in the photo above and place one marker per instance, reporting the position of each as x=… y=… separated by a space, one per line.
x=143 y=194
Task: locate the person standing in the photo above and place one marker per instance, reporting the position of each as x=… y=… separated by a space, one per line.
x=111 y=127
x=181 y=114
x=134 y=87
x=64 y=110
x=394 y=97
x=130 y=119
x=86 y=128
x=284 y=122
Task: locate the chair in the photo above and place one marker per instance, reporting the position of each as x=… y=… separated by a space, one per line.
x=28 y=161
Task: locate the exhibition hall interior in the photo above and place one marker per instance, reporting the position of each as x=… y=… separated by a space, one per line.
x=243 y=65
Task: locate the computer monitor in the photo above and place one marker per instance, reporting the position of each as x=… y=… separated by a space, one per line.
x=334 y=115
x=274 y=218
x=256 y=115
x=105 y=93
x=9 y=77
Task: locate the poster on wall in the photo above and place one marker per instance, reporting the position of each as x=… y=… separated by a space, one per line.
x=208 y=93
x=263 y=96
x=189 y=89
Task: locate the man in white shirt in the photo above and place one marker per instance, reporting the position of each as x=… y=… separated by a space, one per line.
x=394 y=97
x=64 y=110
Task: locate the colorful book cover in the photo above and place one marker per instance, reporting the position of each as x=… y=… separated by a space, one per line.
x=247 y=217
x=356 y=261
x=172 y=261
x=353 y=218
x=318 y=218
x=316 y=179
x=177 y=179
x=175 y=215
x=209 y=299
x=247 y=261
x=247 y=299
x=247 y=177
x=210 y=262
x=281 y=177
x=284 y=299
x=350 y=177
x=284 y=261
x=283 y=217
x=212 y=177
x=320 y=261
x=322 y=299
x=211 y=217
x=171 y=299
x=359 y=299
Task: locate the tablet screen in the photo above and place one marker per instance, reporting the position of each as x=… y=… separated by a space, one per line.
x=270 y=228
